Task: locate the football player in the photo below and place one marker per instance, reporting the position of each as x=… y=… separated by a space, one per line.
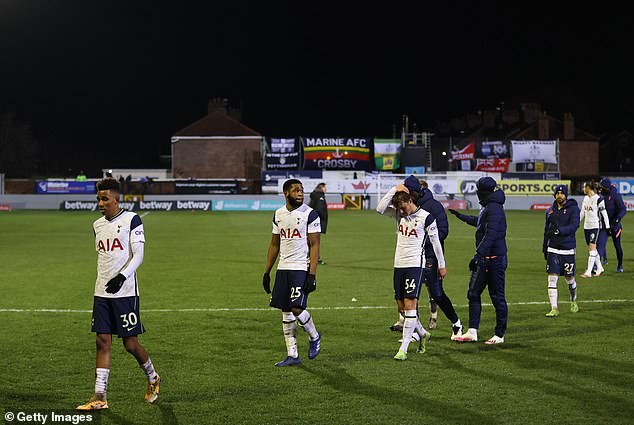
x=119 y=242
x=562 y=222
x=295 y=239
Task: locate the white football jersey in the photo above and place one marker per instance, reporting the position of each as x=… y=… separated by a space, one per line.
x=113 y=242
x=592 y=210
x=411 y=232
x=293 y=228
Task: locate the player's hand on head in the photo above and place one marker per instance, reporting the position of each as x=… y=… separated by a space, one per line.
x=266 y=283
x=114 y=285
x=310 y=284
x=402 y=188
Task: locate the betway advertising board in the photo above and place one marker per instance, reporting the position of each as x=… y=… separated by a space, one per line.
x=141 y=205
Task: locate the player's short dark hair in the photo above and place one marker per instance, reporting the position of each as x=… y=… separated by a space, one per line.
x=108 y=184
x=423 y=184
x=288 y=183
x=320 y=186
x=400 y=198
x=591 y=185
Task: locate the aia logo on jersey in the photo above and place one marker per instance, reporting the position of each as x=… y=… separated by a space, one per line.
x=406 y=231
x=288 y=234
x=588 y=208
x=109 y=245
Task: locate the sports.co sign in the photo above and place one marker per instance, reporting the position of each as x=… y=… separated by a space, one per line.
x=624 y=186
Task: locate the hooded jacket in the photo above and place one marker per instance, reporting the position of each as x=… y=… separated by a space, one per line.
x=566 y=220
x=490 y=225
x=614 y=205
x=431 y=205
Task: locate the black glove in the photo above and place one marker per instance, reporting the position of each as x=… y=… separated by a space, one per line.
x=266 y=283
x=473 y=265
x=310 y=284
x=454 y=212
x=114 y=285
x=608 y=231
x=553 y=232
x=616 y=221
x=545 y=255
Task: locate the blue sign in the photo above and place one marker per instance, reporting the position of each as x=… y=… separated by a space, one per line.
x=246 y=205
x=624 y=186
x=55 y=187
x=415 y=170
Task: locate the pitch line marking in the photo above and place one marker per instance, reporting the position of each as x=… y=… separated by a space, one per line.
x=228 y=309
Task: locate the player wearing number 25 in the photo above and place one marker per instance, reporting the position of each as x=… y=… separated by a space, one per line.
x=562 y=221
x=119 y=242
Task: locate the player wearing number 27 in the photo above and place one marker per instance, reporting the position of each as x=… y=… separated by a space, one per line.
x=562 y=222
x=119 y=242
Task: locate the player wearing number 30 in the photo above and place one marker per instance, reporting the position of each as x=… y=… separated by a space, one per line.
x=295 y=238
x=413 y=225
x=562 y=222
x=119 y=241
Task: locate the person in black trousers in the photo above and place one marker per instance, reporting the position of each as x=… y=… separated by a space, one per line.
x=319 y=204
x=488 y=266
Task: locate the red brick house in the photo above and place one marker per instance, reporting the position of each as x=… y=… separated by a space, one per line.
x=217 y=146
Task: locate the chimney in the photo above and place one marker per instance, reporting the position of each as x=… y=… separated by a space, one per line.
x=217 y=104
x=543 y=130
x=569 y=126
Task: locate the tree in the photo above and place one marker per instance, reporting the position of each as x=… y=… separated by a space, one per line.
x=18 y=149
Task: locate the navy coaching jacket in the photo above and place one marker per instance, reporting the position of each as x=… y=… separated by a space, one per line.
x=490 y=225
x=431 y=205
x=566 y=220
x=614 y=206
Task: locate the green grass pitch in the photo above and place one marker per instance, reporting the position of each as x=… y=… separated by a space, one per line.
x=214 y=340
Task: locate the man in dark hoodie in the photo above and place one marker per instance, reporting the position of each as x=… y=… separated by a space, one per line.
x=437 y=296
x=616 y=210
x=562 y=222
x=319 y=204
x=488 y=266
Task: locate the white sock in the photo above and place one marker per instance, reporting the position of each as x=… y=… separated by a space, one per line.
x=458 y=324
x=420 y=330
x=409 y=325
x=434 y=315
x=597 y=261
x=148 y=367
x=592 y=258
x=552 y=290
x=289 y=326
x=101 y=381
x=306 y=322
x=572 y=288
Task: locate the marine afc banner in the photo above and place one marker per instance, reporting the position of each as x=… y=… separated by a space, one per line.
x=337 y=153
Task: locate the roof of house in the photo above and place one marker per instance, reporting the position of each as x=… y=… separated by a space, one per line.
x=216 y=124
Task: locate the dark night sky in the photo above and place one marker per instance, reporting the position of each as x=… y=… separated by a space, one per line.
x=106 y=84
